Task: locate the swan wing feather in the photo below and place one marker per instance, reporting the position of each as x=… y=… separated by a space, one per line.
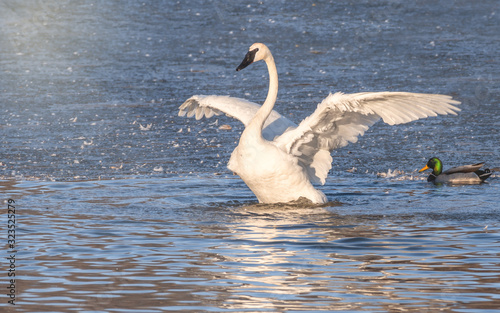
x=341 y=118
x=207 y=106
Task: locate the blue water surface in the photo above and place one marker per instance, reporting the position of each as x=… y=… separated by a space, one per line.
x=122 y=206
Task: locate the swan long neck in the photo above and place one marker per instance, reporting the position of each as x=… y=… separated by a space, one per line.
x=262 y=114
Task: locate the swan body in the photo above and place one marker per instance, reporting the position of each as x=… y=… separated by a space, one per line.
x=460 y=175
x=279 y=160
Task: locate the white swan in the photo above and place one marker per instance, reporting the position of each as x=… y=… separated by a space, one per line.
x=279 y=160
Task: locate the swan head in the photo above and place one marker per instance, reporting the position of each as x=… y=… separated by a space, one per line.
x=256 y=52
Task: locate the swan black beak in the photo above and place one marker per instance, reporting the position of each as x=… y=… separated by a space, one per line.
x=249 y=58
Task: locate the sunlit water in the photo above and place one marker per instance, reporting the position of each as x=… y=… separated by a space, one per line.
x=123 y=206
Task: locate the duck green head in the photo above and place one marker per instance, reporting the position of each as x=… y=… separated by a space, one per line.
x=435 y=164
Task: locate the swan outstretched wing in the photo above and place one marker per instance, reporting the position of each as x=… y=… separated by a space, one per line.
x=342 y=118
x=241 y=109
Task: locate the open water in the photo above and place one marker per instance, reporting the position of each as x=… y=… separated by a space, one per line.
x=122 y=206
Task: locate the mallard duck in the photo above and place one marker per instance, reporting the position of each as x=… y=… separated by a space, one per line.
x=466 y=174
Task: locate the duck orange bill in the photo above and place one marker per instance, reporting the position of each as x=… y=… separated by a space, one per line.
x=424 y=168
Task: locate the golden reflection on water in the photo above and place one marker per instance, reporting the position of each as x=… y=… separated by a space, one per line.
x=105 y=255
